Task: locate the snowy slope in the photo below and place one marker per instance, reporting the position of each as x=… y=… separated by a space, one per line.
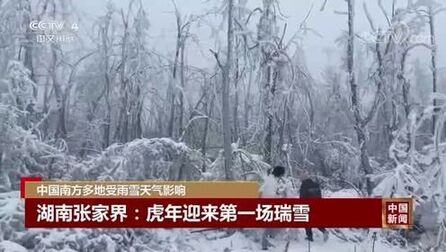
x=238 y=242
x=8 y=246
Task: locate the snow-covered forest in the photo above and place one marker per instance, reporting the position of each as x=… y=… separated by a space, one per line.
x=97 y=100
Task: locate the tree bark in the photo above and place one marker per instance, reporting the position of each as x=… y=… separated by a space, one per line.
x=225 y=95
x=107 y=123
x=182 y=82
x=28 y=61
x=268 y=144
x=123 y=118
x=236 y=101
x=61 y=131
x=206 y=128
x=433 y=63
x=359 y=125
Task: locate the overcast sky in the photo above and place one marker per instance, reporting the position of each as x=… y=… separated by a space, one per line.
x=326 y=23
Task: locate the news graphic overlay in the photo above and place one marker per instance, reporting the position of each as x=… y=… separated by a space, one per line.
x=397 y=213
x=166 y=204
x=53 y=31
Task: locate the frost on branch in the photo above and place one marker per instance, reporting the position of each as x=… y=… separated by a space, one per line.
x=23 y=154
x=11 y=215
x=141 y=159
x=246 y=166
x=20 y=86
x=420 y=168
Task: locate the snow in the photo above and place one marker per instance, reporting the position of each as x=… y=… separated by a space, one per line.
x=8 y=204
x=344 y=193
x=11 y=211
x=310 y=134
x=182 y=240
x=269 y=187
x=8 y=246
x=238 y=242
x=155 y=158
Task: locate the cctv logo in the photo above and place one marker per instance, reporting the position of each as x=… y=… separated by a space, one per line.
x=48 y=38
x=46 y=25
x=52 y=31
x=45 y=38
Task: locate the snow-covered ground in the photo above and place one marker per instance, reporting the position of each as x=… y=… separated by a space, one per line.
x=8 y=246
x=182 y=240
x=238 y=242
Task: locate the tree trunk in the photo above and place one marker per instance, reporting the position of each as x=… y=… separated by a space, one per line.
x=225 y=95
x=359 y=127
x=61 y=131
x=387 y=124
x=174 y=82
x=247 y=107
x=206 y=128
x=268 y=144
x=123 y=118
x=182 y=82
x=107 y=123
x=28 y=60
x=46 y=107
x=235 y=109
x=433 y=63
x=137 y=124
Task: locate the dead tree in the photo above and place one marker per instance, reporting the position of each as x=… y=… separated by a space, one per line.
x=104 y=33
x=265 y=35
x=133 y=74
x=360 y=122
x=173 y=83
x=225 y=94
x=429 y=10
x=433 y=61
x=226 y=71
x=121 y=133
x=182 y=35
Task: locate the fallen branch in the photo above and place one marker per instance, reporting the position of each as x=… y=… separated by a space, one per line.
x=204 y=230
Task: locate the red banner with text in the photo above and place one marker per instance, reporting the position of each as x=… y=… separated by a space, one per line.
x=187 y=205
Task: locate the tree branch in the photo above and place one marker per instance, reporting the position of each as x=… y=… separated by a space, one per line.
x=217 y=59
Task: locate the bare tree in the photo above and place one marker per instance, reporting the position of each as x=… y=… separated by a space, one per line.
x=430 y=9
x=227 y=74
x=122 y=124
x=226 y=71
x=431 y=16
x=177 y=85
x=173 y=84
x=360 y=123
x=270 y=74
x=106 y=47
x=133 y=67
